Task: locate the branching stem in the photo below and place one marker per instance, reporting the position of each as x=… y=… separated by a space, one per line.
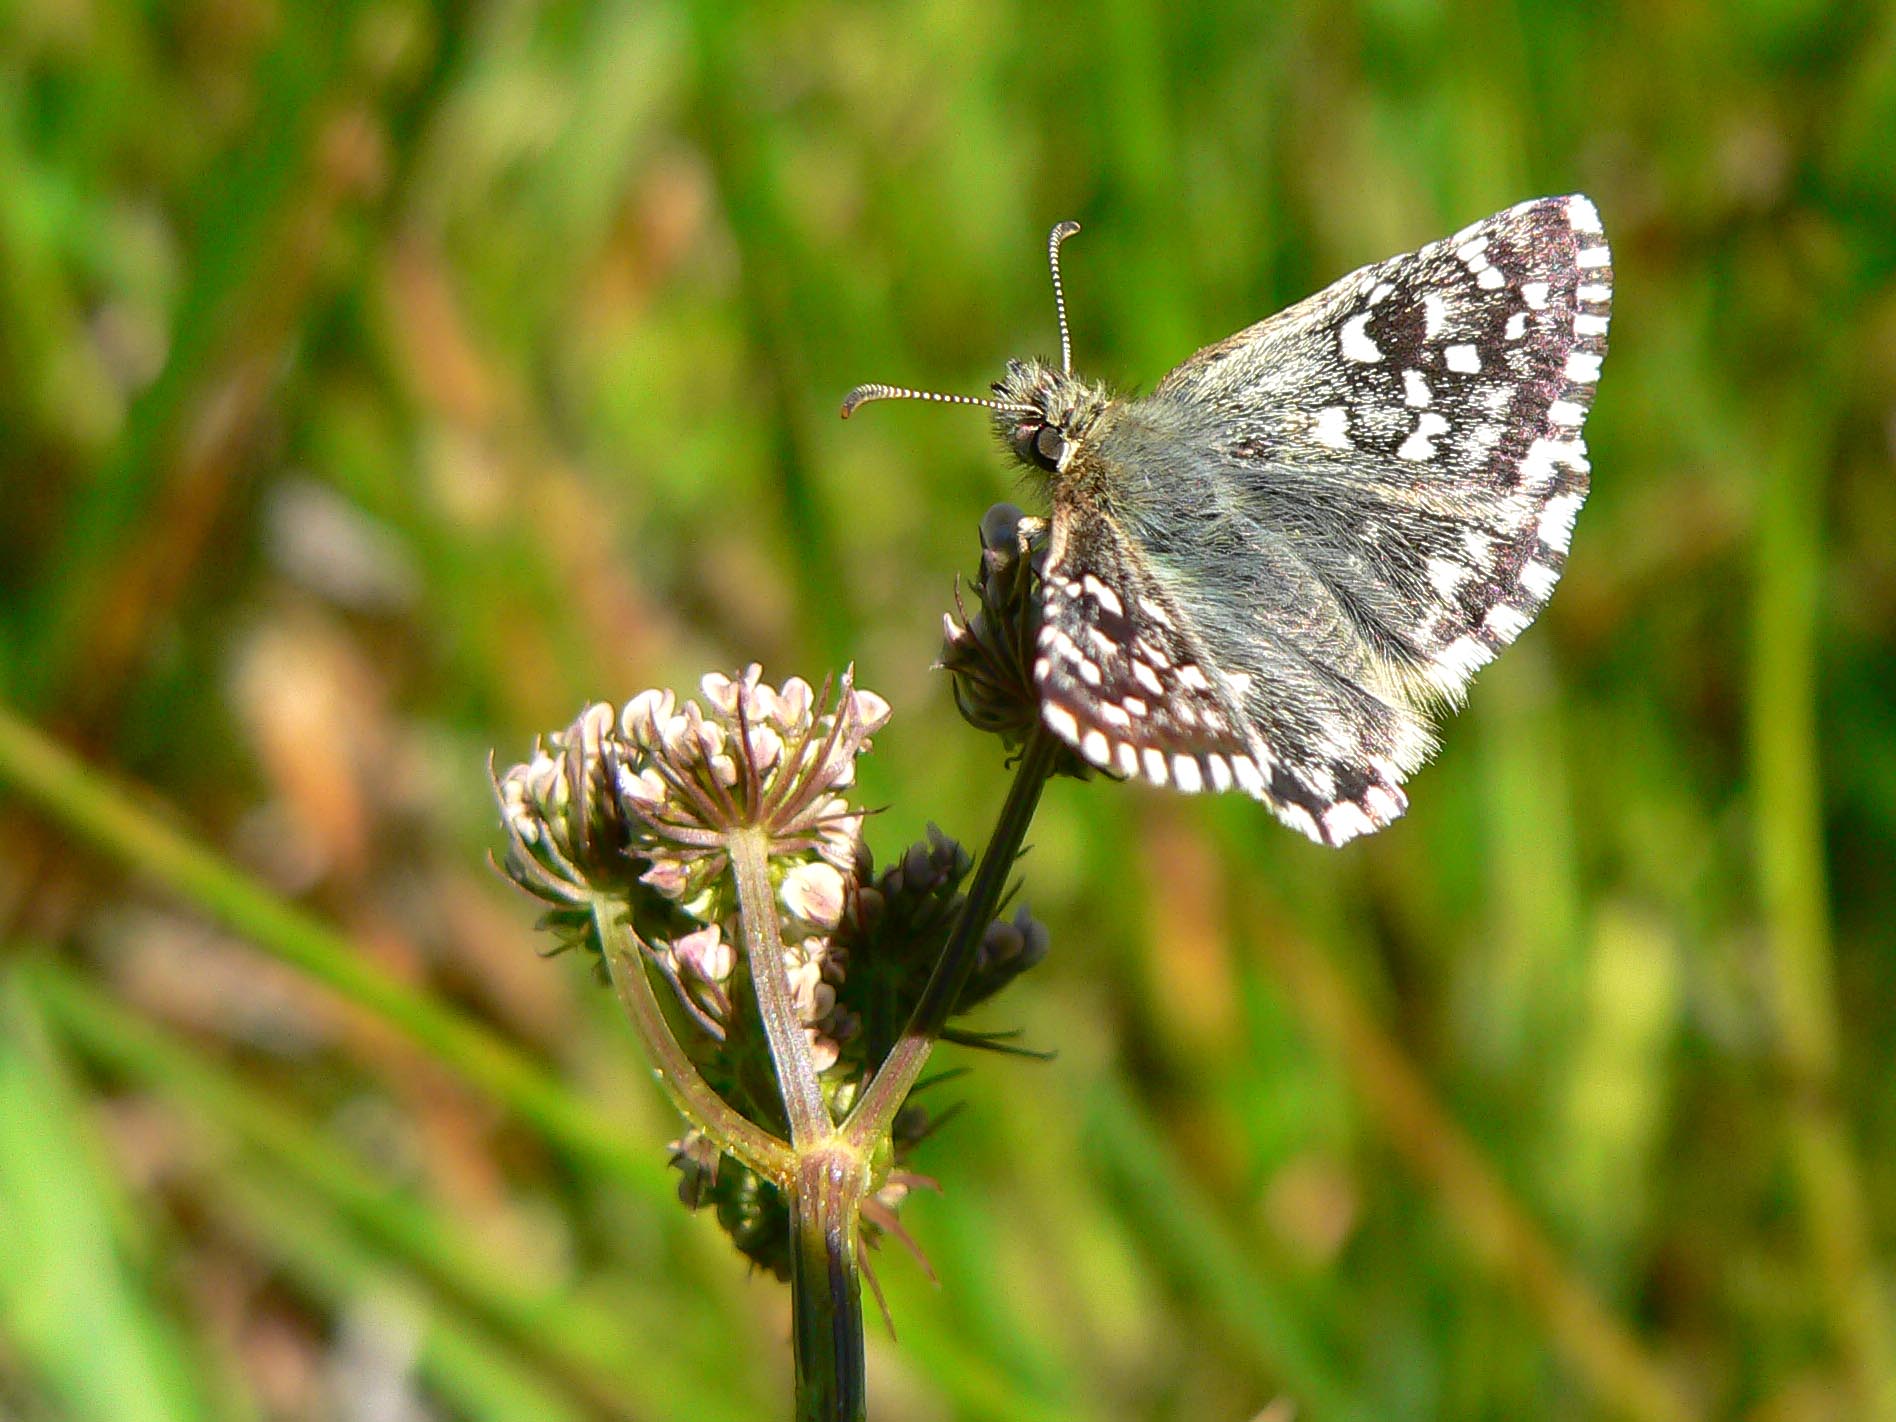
x=689 y=1091
x=900 y=1070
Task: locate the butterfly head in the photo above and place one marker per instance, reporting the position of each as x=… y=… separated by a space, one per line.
x=1043 y=414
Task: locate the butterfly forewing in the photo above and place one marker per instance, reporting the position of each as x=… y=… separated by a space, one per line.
x=1417 y=425
x=1334 y=518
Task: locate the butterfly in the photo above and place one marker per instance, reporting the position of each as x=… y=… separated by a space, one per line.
x=1276 y=570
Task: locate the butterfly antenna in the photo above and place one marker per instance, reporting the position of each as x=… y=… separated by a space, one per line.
x=1060 y=233
x=863 y=394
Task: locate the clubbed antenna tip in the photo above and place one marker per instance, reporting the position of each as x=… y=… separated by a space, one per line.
x=1060 y=233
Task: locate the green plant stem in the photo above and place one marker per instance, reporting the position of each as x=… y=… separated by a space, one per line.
x=86 y=803
x=694 y=1097
x=902 y=1068
x=810 y=1122
x=825 y=1290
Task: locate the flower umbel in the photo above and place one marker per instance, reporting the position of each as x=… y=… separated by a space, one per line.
x=897 y=924
x=990 y=651
x=752 y=756
x=664 y=786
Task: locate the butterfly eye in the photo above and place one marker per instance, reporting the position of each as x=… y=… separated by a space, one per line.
x=1050 y=447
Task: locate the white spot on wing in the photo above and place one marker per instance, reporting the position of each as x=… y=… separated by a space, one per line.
x=1535 y=293
x=1104 y=596
x=1128 y=759
x=1583 y=367
x=1063 y=721
x=1185 y=774
x=1220 y=769
x=1463 y=359
x=1420 y=443
x=1584 y=216
x=1539 y=579
x=1333 y=428
x=1585 y=325
x=1538 y=467
x=1095 y=748
x=1458 y=661
x=1343 y=821
x=1321 y=779
x=1147 y=678
x=1506 y=621
x=1249 y=776
x=1356 y=342
x=1565 y=412
x=1154 y=766
x=1516 y=327
x=1434 y=315
x=1382 y=804
x=1594 y=293
x=1415 y=390
x=1490 y=278
x=1593 y=257
x=1447 y=576
x=1300 y=819
x=1556 y=521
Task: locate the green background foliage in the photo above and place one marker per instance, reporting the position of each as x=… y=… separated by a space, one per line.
x=380 y=382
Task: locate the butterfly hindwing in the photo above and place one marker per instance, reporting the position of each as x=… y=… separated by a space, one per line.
x=1121 y=678
x=1126 y=676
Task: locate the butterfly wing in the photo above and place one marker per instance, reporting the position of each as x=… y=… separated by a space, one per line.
x=1122 y=675
x=1353 y=505
x=1135 y=671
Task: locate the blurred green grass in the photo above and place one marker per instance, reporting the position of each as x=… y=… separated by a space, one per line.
x=379 y=382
